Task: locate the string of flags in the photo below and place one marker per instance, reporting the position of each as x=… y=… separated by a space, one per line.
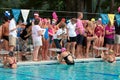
x=25 y=12
x=16 y=14
x=110 y=17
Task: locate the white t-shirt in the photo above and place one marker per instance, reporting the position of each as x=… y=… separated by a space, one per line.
x=35 y=30
x=71 y=29
x=12 y=25
x=59 y=32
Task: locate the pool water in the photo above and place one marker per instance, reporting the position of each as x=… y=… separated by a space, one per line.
x=79 y=71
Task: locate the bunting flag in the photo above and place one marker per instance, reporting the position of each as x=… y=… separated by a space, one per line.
x=25 y=14
x=117 y=16
x=16 y=13
x=105 y=18
x=111 y=18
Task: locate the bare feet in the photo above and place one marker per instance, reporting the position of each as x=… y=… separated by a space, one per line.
x=35 y=59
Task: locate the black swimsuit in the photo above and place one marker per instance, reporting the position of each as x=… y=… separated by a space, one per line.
x=68 y=61
x=10 y=65
x=6 y=38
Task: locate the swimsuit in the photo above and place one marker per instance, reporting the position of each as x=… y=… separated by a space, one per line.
x=68 y=61
x=89 y=34
x=10 y=64
x=6 y=38
x=99 y=31
x=46 y=35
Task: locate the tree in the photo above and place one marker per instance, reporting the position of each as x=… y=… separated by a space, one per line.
x=112 y=6
x=97 y=6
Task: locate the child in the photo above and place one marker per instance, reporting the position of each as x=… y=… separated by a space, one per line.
x=10 y=61
x=109 y=56
x=65 y=56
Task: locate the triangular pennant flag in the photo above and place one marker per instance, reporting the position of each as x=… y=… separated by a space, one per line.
x=25 y=14
x=111 y=18
x=105 y=18
x=16 y=13
x=117 y=16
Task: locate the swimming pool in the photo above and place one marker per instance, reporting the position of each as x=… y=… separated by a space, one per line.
x=80 y=71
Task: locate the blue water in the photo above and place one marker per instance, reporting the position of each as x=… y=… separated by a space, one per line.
x=80 y=71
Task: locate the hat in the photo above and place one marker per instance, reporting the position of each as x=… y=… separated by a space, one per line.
x=93 y=19
x=36 y=14
x=63 y=49
x=7 y=14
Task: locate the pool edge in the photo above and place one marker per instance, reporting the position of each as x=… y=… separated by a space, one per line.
x=55 y=61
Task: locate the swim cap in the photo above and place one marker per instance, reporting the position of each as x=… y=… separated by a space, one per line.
x=45 y=20
x=63 y=49
x=93 y=19
x=10 y=53
x=111 y=51
x=36 y=14
x=99 y=19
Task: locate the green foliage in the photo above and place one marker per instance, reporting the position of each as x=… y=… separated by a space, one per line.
x=105 y=6
x=59 y=5
x=34 y=4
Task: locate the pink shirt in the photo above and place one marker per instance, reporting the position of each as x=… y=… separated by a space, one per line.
x=80 y=26
x=110 y=29
x=50 y=31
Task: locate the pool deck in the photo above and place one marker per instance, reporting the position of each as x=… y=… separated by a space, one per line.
x=55 y=61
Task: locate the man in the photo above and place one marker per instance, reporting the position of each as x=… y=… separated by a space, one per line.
x=5 y=33
x=80 y=37
x=12 y=34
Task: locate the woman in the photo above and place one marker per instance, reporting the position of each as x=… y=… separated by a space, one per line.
x=10 y=61
x=59 y=35
x=65 y=57
x=23 y=41
x=109 y=35
x=37 y=38
x=51 y=33
x=71 y=27
x=99 y=32
x=45 y=40
x=90 y=37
